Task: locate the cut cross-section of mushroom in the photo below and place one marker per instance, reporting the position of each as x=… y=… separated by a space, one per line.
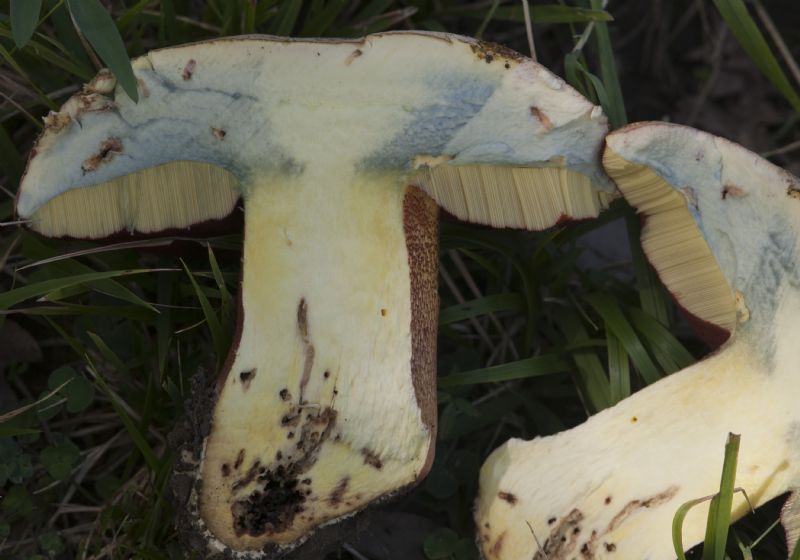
x=722 y=230
x=327 y=401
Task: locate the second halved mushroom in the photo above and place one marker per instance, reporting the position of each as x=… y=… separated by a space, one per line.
x=341 y=151
x=723 y=231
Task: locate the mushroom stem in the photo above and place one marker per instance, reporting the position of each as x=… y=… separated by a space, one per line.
x=323 y=391
x=614 y=483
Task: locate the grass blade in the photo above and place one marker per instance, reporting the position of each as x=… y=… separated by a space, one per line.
x=18 y=295
x=249 y=25
x=138 y=439
x=530 y=367
x=111 y=288
x=68 y=38
x=129 y=17
x=548 y=13
x=619 y=371
x=651 y=294
x=321 y=21
x=230 y=18
x=24 y=17
x=108 y=353
x=573 y=68
x=487 y=18
x=51 y=56
x=286 y=18
x=482 y=306
x=167 y=26
x=73 y=342
x=592 y=381
x=618 y=324
x=373 y=9
x=46 y=101
x=556 y=13
x=719 y=514
x=131 y=312
x=747 y=549
x=226 y=301
x=211 y=318
x=677 y=524
x=378 y=23
x=661 y=340
x=608 y=70
x=486 y=264
x=7 y=432
x=590 y=376
x=96 y=24
x=10 y=161
x=573 y=65
x=736 y=16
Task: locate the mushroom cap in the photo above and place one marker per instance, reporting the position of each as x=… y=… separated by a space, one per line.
x=746 y=209
x=259 y=105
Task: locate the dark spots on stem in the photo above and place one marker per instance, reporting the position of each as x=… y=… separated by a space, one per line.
x=635 y=505
x=272 y=507
x=302 y=319
x=372 y=459
x=337 y=494
x=249 y=476
x=188 y=70
x=308 y=347
x=246 y=377
x=292 y=418
x=507 y=497
x=497 y=547
x=562 y=541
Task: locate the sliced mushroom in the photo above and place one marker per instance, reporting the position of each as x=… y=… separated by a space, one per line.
x=721 y=228
x=328 y=399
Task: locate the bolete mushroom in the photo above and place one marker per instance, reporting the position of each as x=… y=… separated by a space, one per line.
x=341 y=150
x=721 y=228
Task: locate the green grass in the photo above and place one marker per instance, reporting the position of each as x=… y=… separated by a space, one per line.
x=530 y=342
x=719 y=511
